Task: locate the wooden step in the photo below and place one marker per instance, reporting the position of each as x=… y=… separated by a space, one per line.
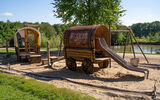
x=44 y=61
x=53 y=59
x=35 y=58
x=102 y=59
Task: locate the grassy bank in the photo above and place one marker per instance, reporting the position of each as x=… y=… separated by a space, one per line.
x=19 y=88
x=10 y=50
x=44 y=51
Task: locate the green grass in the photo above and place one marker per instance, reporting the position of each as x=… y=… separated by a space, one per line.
x=158 y=52
x=19 y=88
x=9 y=50
x=42 y=48
x=12 y=50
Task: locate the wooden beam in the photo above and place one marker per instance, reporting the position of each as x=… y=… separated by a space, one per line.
x=48 y=54
x=116 y=31
x=139 y=46
x=126 y=43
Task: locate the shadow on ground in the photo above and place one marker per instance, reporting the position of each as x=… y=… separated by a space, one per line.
x=79 y=74
x=152 y=66
x=11 y=58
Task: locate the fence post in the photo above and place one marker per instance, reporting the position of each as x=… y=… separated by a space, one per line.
x=48 y=54
x=151 y=50
x=7 y=47
x=59 y=48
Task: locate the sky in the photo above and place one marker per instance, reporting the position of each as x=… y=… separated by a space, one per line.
x=137 y=11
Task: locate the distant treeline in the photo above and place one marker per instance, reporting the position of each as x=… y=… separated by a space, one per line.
x=147 y=32
x=144 y=32
x=51 y=33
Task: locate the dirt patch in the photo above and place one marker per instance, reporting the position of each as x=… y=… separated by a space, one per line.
x=115 y=83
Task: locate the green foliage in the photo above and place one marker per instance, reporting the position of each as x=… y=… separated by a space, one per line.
x=19 y=88
x=118 y=38
x=8 y=29
x=147 y=32
x=60 y=28
x=158 y=52
x=47 y=30
x=48 y=33
x=54 y=41
x=88 y=12
x=144 y=32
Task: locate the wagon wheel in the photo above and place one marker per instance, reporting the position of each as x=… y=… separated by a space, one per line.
x=87 y=66
x=71 y=64
x=103 y=64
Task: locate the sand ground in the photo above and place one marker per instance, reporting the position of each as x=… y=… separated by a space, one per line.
x=115 y=83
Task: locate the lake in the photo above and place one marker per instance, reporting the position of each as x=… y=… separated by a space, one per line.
x=146 y=48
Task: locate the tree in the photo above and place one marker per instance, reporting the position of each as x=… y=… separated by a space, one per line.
x=88 y=12
x=59 y=28
x=146 y=29
x=47 y=30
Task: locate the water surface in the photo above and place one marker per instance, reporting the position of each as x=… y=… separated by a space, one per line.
x=152 y=49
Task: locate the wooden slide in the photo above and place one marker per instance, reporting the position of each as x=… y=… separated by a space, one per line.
x=120 y=60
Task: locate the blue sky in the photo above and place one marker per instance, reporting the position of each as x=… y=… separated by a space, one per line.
x=41 y=11
x=140 y=11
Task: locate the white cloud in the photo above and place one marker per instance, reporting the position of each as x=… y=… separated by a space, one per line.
x=6 y=14
x=129 y=22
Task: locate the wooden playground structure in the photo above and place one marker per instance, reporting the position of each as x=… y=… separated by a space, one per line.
x=88 y=44
x=130 y=35
x=27 y=43
x=91 y=44
x=81 y=44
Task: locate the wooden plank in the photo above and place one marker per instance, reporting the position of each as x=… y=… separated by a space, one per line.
x=44 y=61
x=80 y=54
x=56 y=59
x=23 y=54
x=34 y=56
x=113 y=31
x=53 y=59
x=48 y=53
x=35 y=60
x=79 y=50
x=101 y=59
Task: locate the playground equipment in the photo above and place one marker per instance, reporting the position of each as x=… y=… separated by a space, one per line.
x=51 y=59
x=130 y=34
x=91 y=44
x=81 y=44
x=27 y=43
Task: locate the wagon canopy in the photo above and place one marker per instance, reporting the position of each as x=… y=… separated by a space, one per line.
x=85 y=36
x=27 y=37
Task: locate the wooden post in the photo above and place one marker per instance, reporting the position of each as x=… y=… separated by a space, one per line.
x=132 y=45
x=53 y=44
x=26 y=41
x=48 y=54
x=125 y=45
x=7 y=47
x=59 y=48
x=110 y=35
x=139 y=47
